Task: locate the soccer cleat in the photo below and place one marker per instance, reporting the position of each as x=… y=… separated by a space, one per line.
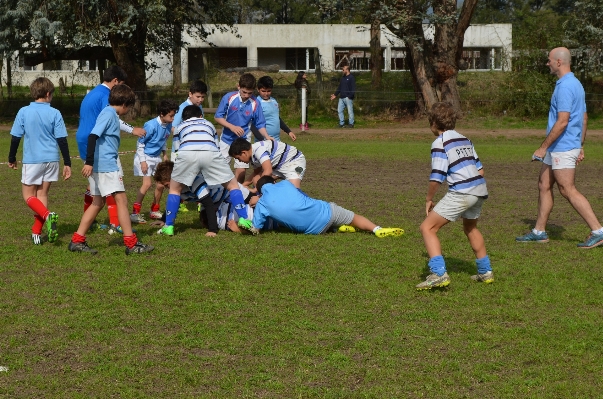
x=81 y=247
x=344 y=228
x=183 y=208
x=533 y=237
x=434 y=281
x=487 y=277
x=155 y=215
x=51 y=226
x=593 y=240
x=137 y=218
x=139 y=248
x=36 y=239
x=389 y=232
x=115 y=229
x=166 y=231
x=95 y=226
x=245 y=224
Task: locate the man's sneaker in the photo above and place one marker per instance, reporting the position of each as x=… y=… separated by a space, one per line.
x=137 y=218
x=245 y=224
x=344 y=228
x=593 y=240
x=533 y=237
x=487 y=277
x=389 y=232
x=183 y=208
x=81 y=247
x=155 y=215
x=341 y=126
x=166 y=231
x=433 y=281
x=51 y=226
x=139 y=248
x=36 y=239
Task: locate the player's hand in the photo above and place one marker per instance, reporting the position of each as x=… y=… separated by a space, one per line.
x=332 y=97
x=139 y=132
x=293 y=136
x=157 y=223
x=210 y=234
x=87 y=171
x=428 y=206
x=539 y=153
x=144 y=167
x=238 y=131
x=269 y=138
x=66 y=172
x=580 y=157
x=13 y=165
x=165 y=158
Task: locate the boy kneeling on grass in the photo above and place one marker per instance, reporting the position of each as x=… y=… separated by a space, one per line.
x=453 y=158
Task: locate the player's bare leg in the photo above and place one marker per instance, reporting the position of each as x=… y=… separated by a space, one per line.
x=475 y=238
x=429 y=229
x=565 y=182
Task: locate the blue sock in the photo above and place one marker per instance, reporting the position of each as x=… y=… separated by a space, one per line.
x=437 y=265
x=236 y=198
x=483 y=265
x=171 y=209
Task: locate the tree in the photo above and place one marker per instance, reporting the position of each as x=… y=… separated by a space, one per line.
x=585 y=35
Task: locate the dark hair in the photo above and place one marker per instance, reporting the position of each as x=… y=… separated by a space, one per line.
x=122 y=95
x=166 y=106
x=40 y=87
x=265 y=82
x=443 y=115
x=163 y=171
x=198 y=86
x=238 y=146
x=114 y=71
x=264 y=180
x=299 y=80
x=191 y=111
x=247 y=81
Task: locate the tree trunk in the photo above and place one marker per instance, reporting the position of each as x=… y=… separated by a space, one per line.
x=9 y=76
x=177 y=58
x=1 y=67
x=318 y=71
x=376 y=53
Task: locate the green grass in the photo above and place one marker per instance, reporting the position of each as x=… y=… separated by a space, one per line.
x=334 y=316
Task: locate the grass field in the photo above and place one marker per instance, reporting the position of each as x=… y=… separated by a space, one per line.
x=291 y=316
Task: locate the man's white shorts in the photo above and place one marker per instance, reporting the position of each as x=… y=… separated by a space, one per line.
x=211 y=164
x=455 y=205
x=105 y=183
x=237 y=164
x=292 y=170
x=152 y=163
x=34 y=174
x=562 y=160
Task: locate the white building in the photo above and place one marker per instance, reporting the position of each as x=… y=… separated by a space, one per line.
x=292 y=47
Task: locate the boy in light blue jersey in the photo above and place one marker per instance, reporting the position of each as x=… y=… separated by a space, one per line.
x=150 y=151
x=44 y=132
x=270 y=108
x=103 y=173
x=453 y=158
x=236 y=111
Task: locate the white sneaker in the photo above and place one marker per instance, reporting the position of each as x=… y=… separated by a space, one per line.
x=155 y=215
x=137 y=218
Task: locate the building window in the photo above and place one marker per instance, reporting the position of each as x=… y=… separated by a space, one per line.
x=356 y=59
x=23 y=66
x=399 y=60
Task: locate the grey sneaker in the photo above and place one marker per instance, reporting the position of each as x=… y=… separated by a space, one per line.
x=533 y=237
x=433 y=281
x=81 y=247
x=487 y=277
x=137 y=218
x=593 y=240
x=139 y=248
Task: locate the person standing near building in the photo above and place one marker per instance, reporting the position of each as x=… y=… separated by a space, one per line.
x=346 y=91
x=562 y=150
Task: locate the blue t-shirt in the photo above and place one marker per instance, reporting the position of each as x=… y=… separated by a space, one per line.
x=568 y=97
x=107 y=145
x=178 y=116
x=270 y=110
x=92 y=105
x=155 y=139
x=292 y=208
x=239 y=114
x=41 y=125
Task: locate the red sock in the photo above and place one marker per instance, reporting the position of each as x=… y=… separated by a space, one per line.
x=155 y=207
x=38 y=224
x=78 y=238
x=130 y=241
x=136 y=207
x=112 y=209
x=87 y=200
x=37 y=206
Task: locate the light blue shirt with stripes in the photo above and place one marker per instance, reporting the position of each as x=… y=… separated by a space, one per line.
x=200 y=189
x=277 y=152
x=195 y=134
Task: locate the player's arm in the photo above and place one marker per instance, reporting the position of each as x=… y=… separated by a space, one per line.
x=89 y=163
x=12 y=153
x=584 y=128
x=266 y=168
x=64 y=148
x=556 y=131
x=432 y=189
x=136 y=131
x=286 y=129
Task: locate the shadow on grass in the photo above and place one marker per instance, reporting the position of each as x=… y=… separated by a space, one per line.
x=554 y=231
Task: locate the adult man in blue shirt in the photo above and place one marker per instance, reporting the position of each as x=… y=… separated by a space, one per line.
x=562 y=150
x=346 y=91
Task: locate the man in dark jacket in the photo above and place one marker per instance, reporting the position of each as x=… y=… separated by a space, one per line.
x=346 y=91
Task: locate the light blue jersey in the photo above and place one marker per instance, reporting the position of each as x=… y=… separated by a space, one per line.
x=568 y=97
x=156 y=138
x=107 y=145
x=239 y=114
x=271 y=115
x=41 y=125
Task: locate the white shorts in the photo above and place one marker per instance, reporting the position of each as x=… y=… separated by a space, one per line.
x=455 y=205
x=292 y=170
x=237 y=164
x=106 y=183
x=562 y=160
x=34 y=174
x=173 y=155
x=152 y=163
x=211 y=164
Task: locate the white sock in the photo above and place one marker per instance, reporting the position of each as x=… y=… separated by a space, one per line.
x=537 y=231
x=598 y=232
x=376 y=228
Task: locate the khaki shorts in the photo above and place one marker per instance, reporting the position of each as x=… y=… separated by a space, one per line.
x=106 y=183
x=152 y=163
x=455 y=205
x=211 y=164
x=292 y=170
x=237 y=164
x=562 y=160
x=34 y=174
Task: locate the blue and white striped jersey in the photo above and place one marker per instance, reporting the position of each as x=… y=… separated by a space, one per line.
x=226 y=212
x=195 y=134
x=453 y=158
x=277 y=152
x=199 y=189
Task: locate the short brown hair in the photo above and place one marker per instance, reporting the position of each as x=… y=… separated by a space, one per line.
x=163 y=172
x=443 y=115
x=40 y=87
x=122 y=95
x=247 y=81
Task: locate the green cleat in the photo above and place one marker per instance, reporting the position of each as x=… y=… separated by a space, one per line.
x=166 y=231
x=344 y=228
x=183 y=208
x=51 y=226
x=245 y=224
x=389 y=232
